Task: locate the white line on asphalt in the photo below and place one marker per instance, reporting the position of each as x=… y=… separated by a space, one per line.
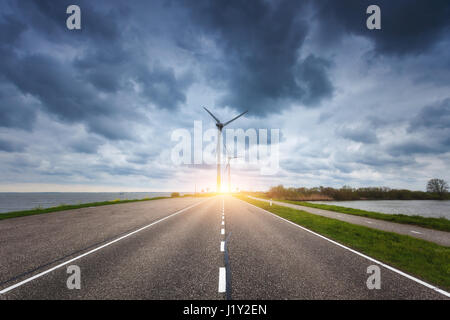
x=223 y=223
x=96 y=249
x=416 y=232
x=430 y=286
x=369 y=222
x=222 y=280
x=222 y=246
x=222 y=231
x=223 y=218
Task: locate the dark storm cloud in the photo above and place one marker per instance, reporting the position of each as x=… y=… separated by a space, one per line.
x=431 y=126
x=53 y=84
x=10 y=146
x=87 y=146
x=407 y=26
x=163 y=88
x=10 y=30
x=344 y=167
x=260 y=43
x=435 y=116
x=21 y=162
x=155 y=173
x=15 y=111
x=371 y=156
x=313 y=81
x=302 y=167
x=359 y=134
x=110 y=62
x=412 y=148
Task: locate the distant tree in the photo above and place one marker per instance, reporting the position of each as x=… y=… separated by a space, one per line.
x=438 y=186
x=175 y=194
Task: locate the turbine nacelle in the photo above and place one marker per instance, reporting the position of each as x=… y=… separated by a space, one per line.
x=219 y=124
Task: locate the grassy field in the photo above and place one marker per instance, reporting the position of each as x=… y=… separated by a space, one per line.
x=425 y=260
x=430 y=223
x=64 y=207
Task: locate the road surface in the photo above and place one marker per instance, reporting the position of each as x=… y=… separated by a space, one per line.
x=175 y=249
x=436 y=236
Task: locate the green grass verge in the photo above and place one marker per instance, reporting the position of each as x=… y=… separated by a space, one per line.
x=425 y=260
x=442 y=224
x=63 y=207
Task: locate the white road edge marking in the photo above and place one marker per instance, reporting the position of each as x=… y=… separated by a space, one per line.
x=222 y=280
x=223 y=223
x=430 y=286
x=222 y=246
x=416 y=232
x=222 y=231
x=96 y=249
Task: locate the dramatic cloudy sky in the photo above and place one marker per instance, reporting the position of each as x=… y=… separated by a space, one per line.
x=94 y=109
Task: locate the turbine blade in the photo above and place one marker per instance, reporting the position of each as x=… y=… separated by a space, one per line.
x=228 y=122
x=217 y=120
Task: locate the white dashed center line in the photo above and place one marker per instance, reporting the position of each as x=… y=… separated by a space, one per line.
x=222 y=270
x=416 y=232
x=222 y=279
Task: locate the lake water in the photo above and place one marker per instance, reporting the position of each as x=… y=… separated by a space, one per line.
x=426 y=208
x=16 y=201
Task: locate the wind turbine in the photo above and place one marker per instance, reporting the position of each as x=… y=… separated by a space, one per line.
x=220 y=126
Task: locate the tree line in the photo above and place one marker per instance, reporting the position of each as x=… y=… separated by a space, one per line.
x=436 y=190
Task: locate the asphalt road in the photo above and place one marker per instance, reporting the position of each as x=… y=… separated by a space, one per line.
x=436 y=236
x=175 y=249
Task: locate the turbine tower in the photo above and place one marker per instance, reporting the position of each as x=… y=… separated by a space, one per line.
x=220 y=126
x=228 y=167
x=229 y=175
